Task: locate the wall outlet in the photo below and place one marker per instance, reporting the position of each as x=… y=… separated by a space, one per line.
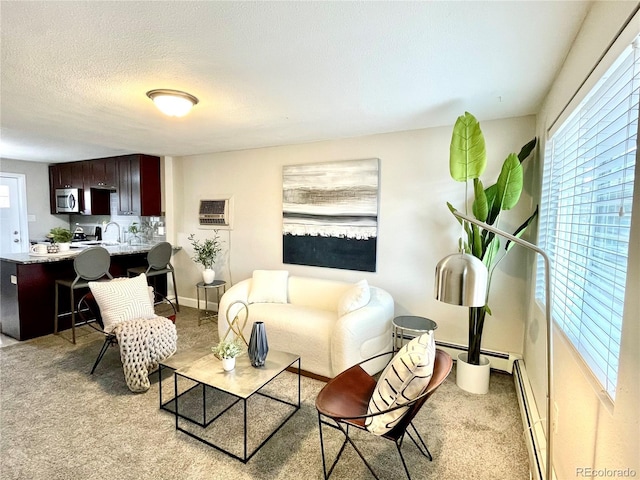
x=554 y=420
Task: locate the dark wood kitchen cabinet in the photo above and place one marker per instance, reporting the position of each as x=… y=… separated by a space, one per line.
x=139 y=185
x=66 y=175
x=100 y=173
x=134 y=178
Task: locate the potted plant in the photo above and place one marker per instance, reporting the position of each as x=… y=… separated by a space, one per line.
x=205 y=253
x=467 y=161
x=227 y=351
x=61 y=237
x=134 y=230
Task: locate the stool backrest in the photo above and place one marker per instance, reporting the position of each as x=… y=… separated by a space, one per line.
x=92 y=263
x=159 y=256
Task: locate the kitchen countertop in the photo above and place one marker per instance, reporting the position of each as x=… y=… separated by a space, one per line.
x=114 y=250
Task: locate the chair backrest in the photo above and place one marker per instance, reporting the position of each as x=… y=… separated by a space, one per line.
x=441 y=368
x=92 y=263
x=159 y=256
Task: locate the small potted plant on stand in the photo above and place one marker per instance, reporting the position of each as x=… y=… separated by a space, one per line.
x=227 y=351
x=205 y=253
x=467 y=161
x=61 y=237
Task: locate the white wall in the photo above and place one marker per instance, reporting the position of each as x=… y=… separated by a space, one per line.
x=415 y=227
x=37 y=180
x=591 y=432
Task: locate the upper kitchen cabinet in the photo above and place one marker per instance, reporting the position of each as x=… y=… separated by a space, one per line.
x=138 y=185
x=66 y=175
x=100 y=173
x=134 y=178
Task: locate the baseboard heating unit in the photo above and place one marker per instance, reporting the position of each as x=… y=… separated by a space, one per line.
x=534 y=437
x=501 y=361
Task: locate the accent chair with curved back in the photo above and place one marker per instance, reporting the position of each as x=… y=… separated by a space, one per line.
x=346 y=400
x=159 y=263
x=91 y=264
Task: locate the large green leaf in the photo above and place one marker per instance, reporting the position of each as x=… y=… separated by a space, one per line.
x=509 y=183
x=521 y=229
x=467 y=153
x=527 y=149
x=494 y=207
x=480 y=207
x=491 y=252
x=453 y=210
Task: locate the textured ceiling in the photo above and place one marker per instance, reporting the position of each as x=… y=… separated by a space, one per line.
x=74 y=74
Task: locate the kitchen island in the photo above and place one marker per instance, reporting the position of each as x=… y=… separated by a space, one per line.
x=27 y=287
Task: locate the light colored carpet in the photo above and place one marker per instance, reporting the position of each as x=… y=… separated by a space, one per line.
x=59 y=422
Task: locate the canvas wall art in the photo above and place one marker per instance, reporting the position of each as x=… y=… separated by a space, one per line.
x=330 y=214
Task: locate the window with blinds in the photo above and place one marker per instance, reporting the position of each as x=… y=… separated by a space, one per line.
x=585 y=216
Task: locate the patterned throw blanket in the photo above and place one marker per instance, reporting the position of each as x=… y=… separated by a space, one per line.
x=144 y=343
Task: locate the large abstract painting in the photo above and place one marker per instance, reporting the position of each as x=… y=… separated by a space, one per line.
x=330 y=214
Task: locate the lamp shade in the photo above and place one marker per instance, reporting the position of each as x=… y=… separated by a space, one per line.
x=461 y=279
x=172 y=102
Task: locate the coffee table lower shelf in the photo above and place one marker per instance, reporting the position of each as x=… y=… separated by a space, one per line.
x=206 y=397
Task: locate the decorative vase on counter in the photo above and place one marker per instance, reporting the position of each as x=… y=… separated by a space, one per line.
x=228 y=364
x=208 y=275
x=258 y=346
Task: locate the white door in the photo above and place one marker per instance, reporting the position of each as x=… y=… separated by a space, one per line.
x=14 y=233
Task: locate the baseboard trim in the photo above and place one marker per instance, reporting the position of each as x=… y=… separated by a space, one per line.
x=502 y=361
x=533 y=432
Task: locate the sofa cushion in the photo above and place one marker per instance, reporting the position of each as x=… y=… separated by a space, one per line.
x=299 y=330
x=122 y=299
x=356 y=297
x=404 y=379
x=319 y=293
x=269 y=286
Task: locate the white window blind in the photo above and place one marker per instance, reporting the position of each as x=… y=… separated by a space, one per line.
x=585 y=216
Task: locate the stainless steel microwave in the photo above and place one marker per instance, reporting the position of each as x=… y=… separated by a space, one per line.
x=68 y=200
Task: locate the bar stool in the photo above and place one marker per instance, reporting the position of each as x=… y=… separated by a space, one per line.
x=91 y=264
x=159 y=260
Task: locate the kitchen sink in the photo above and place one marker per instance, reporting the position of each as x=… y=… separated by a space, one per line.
x=92 y=243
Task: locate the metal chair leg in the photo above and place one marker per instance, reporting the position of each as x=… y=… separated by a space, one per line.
x=56 y=312
x=348 y=439
x=73 y=317
x=103 y=350
x=426 y=451
x=324 y=463
x=404 y=464
x=175 y=290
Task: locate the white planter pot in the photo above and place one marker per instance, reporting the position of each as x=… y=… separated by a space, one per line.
x=208 y=275
x=228 y=364
x=64 y=247
x=473 y=378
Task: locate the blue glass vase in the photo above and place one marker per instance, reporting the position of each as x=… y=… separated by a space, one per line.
x=258 y=346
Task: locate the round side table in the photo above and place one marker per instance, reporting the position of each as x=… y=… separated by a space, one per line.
x=207 y=314
x=412 y=324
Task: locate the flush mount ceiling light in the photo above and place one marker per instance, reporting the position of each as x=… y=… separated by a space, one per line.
x=172 y=102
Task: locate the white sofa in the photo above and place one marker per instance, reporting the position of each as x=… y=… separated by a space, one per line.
x=331 y=325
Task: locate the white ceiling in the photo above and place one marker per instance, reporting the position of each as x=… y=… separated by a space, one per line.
x=74 y=74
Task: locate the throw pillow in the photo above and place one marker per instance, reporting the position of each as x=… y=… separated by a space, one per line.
x=354 y=298
x=269 y=286
x=122 y=299
x=404 y=379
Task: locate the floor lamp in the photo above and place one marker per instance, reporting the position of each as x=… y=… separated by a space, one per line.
x=461 y=280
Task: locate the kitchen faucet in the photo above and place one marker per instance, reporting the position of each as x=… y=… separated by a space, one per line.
x=106 y=227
